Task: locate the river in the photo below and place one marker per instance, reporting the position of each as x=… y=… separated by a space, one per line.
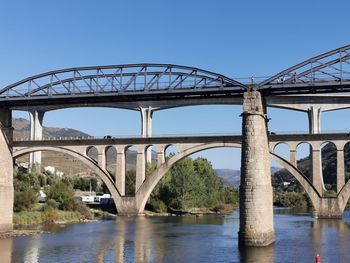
x=299 y=237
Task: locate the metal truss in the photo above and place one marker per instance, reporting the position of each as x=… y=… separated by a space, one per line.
x=328 y=72
x=116 y=80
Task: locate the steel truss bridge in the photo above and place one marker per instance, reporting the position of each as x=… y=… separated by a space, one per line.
x=326 y=73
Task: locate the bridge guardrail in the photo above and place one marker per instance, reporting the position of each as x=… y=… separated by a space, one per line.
x=171 y=135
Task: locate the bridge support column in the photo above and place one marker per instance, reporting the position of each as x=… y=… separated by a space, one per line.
x=256 y=204
x=120 y=171
x=316 y=175
x=140 y=167
x=128 y=206
x=101 y=157
x=293 y=157
x=314 y=115
x=160 y=156
x=146 y=128
x=6 y=170
x=340 y=170
x=329 y=207
x=36 y=133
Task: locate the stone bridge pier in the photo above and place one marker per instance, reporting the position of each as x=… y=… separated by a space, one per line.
x=6 y=170
x=256 y=202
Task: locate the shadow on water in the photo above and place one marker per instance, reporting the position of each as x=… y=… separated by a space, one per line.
x=257 y=254
x=6 y=250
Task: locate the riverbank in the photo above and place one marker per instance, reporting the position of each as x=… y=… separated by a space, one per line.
x=222 y=210
x=36 y=220
x=55 y=216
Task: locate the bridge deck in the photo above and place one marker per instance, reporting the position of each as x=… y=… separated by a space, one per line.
x=179 y=139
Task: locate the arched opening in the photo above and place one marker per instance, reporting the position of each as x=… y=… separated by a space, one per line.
x=151 y=154
x=347 y=161
x=199 y=182
x=282 y=150
x=287 y=190
x=151 y=158
x=130 y=170
x=89 y=180
x=152 y=181
x=92 y=152
x=170 y=150
x=329 y=166
x=111 y=160
x=304 y=162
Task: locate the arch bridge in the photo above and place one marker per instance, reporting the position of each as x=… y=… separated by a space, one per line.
x=186 y=146
x=316 y=85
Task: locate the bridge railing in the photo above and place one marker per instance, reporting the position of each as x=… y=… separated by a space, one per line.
x=88 y=137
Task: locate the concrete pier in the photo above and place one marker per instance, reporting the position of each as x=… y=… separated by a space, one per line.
x=6 y=170
x=36 y=133
x=256 y=204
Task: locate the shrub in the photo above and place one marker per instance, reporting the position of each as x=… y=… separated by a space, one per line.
x=51 y=204
x=63 y=194
x=159 y=206
x=83 y=209
x=50 y=215
x=24 y=200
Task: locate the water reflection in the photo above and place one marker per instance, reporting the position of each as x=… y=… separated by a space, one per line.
x=182 y=239
x=257 y=254
x=119 y=246
x=33 y=249
x=5 y=250
x=331 y=237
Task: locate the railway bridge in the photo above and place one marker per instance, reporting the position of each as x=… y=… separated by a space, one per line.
x=316 y=85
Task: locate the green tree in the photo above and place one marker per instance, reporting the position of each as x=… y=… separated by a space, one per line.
x=130 y=181
x=63 y=194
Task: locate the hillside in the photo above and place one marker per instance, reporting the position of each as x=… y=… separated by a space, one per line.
x=229 y=176
x=329 y=163
x=62 y=162
x=22 y=130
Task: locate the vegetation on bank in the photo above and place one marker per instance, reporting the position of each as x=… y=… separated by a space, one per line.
x=60 y=205
x=192 y=185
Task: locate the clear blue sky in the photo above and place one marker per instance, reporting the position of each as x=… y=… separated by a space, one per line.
x=234 y=38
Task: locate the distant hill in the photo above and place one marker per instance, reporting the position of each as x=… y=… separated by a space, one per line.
x=22 y=130
x=229 y=176
x=233 y=177
x=63 y=162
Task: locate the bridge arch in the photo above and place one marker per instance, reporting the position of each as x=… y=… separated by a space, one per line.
x=147 y=187
x=117 y=79
x=344 y=195
x=105 y=177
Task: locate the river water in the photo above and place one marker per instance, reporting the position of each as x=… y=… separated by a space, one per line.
x=299 y=237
